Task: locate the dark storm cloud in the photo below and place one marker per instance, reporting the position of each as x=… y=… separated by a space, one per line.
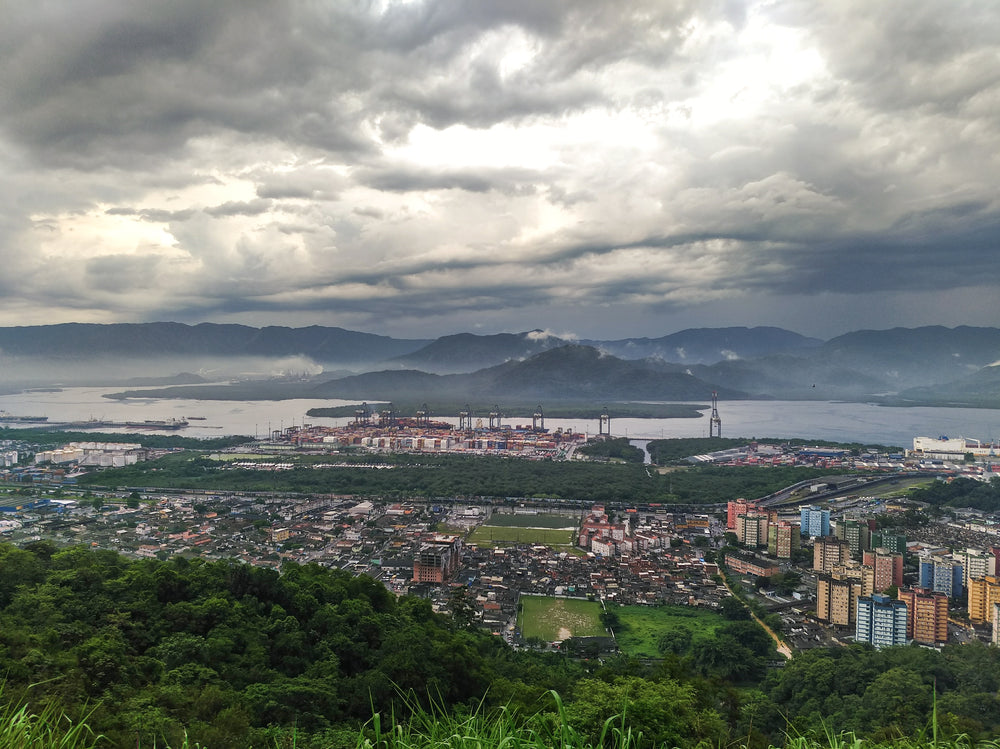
x=96 y=82
x=92 y=82
x=240 y=208
x=511 y=181
x=154 y=215
x=901 y=55
x=389 y=161
x=113 y=273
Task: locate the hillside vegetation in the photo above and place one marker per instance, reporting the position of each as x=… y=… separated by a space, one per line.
x=440 y=475
x=227 y=655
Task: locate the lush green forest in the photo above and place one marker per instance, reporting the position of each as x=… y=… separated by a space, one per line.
x=461 y=476
x=961 y=492
x=50 y=438
x=618 y=448
x=522 y=410
x=230 y=655
x=674 y=450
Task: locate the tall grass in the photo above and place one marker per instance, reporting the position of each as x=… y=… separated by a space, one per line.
x=21 y=728
x=498 y=729
x=435 y=728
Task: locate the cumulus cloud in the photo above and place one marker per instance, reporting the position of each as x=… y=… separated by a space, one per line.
x=396 y=166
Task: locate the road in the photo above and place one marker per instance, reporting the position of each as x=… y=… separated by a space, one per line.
x=780 y=645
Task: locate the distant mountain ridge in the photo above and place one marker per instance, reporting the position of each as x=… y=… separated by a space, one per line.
x=928 y=365
x=466 y=352
x=710 y=345
x=564 y=373
x=84 y=340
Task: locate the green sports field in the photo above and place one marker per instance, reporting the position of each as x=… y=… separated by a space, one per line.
x=494 y=535
x=643 y=626
x=541 y=520
x=559 y=618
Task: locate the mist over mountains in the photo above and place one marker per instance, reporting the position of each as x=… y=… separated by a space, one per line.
x=927 y=365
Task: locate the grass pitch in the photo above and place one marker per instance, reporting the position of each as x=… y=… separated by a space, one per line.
x=493 y=535
x=643 y=626
x=559 y=618
x=540 y=520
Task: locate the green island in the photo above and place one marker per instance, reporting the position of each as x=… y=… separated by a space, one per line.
x=524 y=410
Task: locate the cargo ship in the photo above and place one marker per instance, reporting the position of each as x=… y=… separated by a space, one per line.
x=157 y=424
x=7 y=417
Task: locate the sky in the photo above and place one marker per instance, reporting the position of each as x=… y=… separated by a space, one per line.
x=415 y=169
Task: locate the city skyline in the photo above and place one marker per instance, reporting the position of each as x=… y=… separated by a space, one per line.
x=417 y=169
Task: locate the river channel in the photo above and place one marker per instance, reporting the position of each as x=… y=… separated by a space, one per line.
x=825 y=420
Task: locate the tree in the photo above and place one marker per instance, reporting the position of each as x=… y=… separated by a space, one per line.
x=722 y=656
x=785 y=583
x=462 y=611
x=733 y=609
x=897 y=702
x=610 y=619
x=676 y=641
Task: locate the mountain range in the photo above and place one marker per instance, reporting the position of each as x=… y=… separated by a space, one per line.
x=927 y=365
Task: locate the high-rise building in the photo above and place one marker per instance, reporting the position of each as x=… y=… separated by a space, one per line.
x=828 y=552
x=737 y=507
x=857 y=535
x=881 y=621
x=864 y=576
x=976 y=563
x=835 y=599
x=782 y=539
x=983 y=593
x=892 y=542
x=943 y=575
x=814 y=522
x=888 y=568
x=996 y=624
x=927 y=615
x=751 y=529
x=437 y=559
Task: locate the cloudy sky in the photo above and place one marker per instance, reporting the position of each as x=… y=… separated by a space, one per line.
x=601 y=168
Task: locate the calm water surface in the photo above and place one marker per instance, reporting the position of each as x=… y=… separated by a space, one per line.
x=845 y=422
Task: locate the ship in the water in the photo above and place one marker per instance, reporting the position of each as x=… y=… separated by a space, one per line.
x=157 y=424
x=11 y=418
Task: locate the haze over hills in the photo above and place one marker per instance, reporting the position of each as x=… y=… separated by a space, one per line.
x=467 y=352
x=710 y=345
x=571 y=372
x=85 y=341
x=929 y=365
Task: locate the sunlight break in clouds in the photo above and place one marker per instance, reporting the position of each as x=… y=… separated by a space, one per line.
x=413 y=168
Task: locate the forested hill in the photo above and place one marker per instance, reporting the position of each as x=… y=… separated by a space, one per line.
x=221 y=654
x=229 y=655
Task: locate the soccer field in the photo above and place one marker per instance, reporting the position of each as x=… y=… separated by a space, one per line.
x=643 y=626
x=540 y=520
x=559 y=618
x=494 y=535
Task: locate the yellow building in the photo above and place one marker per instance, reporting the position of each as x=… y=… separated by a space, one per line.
x=927 y=615
x=835 y=599
x=829 y=552
x=983 y=593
